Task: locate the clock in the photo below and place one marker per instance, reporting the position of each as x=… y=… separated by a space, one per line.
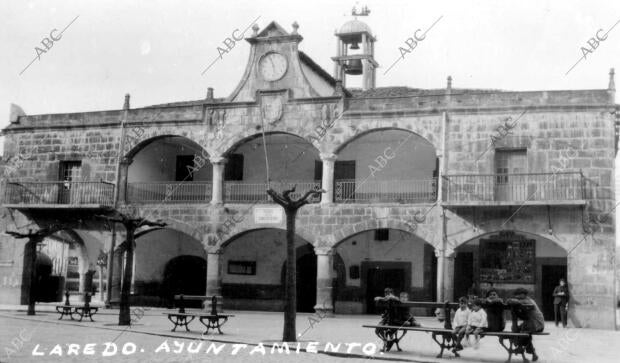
x=272 y=66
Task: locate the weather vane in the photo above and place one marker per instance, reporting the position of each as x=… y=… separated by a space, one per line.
x=363 y=12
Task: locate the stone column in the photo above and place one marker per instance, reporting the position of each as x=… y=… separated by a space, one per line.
x=329 y=161
x=324 y=281
x=214 y=278
x=217 y=163
x=448 y=280
x=439 y=253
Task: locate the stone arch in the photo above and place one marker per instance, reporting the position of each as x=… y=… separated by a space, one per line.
x=356 y=136
x=424 y=234
x=134 y=146
x=565 y=245
x=300 y=232
x=173 y=225
x=228 y=145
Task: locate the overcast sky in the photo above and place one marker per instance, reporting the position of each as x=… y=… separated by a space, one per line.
x=156 y=50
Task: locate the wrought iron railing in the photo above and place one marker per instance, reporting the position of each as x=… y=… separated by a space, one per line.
x=389 y=191
x=169 y=192
x=243 y=192
x=59 y=192
x=563 y=186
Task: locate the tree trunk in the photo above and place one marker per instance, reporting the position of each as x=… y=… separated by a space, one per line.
x=124 y=316
x=290 y=303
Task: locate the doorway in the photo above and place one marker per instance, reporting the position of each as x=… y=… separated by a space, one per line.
x=551 y=275
x=306 y=283
x=306 y=279
x=463 y=273
x=185 y=275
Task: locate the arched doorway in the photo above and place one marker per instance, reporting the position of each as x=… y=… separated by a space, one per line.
x=292 y=160
x=386 y=165
x=46 y=285
x=167 y=262
x=254 y=269
x=372 y=260
x=306 y=279
x=160 y=164
x=184 y=275
x=506 y=260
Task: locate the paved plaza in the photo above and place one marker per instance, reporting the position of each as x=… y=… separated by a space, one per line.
x=42 y=337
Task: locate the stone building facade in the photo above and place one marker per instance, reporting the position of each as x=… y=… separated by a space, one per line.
x=429 y=191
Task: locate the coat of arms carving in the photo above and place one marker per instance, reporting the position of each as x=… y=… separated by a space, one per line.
x=271 y=109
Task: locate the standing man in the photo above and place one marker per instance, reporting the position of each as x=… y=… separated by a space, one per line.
x=560 y=303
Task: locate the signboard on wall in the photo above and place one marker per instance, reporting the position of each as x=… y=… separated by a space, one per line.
x=268 y=215
x=242 y=267
x=508 y=257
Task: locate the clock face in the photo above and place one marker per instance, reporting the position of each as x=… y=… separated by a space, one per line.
x=272 y=66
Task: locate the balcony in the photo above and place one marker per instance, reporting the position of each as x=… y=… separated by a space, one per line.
x=169 y=192
x=59 y=194
x=243 y=192
x=389 y=191
x=565 y=188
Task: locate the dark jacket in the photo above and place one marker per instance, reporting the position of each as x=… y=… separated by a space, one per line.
x=528 y=311
x=495 y=314
x=560 y=295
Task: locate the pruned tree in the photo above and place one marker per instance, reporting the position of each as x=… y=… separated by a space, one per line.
x=290 y=301
x=30 y=257
x=131 y=224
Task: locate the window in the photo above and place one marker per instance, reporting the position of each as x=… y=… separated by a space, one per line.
x=70 y=170
x=318 y=170
x=184 y=166
x=234 y=167
x=509 y=162
x=382 y=234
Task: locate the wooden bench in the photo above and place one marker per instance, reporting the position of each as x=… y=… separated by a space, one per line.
x=79 y=310
x=510 y=341
x=214 y=320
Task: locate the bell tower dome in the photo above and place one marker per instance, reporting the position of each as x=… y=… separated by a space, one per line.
x=350 y=60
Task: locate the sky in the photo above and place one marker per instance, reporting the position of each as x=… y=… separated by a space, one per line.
x=157 y=50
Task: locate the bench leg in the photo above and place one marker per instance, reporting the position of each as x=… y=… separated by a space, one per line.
x=384 y=335
x=446 y=342
x=515 y=347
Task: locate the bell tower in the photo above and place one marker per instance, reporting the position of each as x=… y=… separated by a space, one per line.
x=349 y=59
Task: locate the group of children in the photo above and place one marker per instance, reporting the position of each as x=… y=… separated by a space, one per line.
x=485 y=315
x=468 y=321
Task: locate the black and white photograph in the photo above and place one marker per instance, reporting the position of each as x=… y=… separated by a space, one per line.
x=309 y=181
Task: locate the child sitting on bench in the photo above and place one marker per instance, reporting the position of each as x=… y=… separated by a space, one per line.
x=460 y=324
x=476 y=322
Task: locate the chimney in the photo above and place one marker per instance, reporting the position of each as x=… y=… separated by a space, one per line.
x=126 y=104
x=210 y=93
x=449 y=86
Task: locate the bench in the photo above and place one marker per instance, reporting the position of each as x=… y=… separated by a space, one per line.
x=214 y=320
x=79 y=310
x=512 y=342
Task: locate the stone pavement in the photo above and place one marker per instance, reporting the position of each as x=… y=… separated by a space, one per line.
x=154 y=342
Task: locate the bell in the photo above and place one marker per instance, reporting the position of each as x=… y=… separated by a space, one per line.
x=354 y=67
x=355 y=46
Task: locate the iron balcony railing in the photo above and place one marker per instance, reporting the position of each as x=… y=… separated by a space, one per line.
x=389 y=191
x=59 y=193
x=169 y=192
x=531 y=187
x=243 y=192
